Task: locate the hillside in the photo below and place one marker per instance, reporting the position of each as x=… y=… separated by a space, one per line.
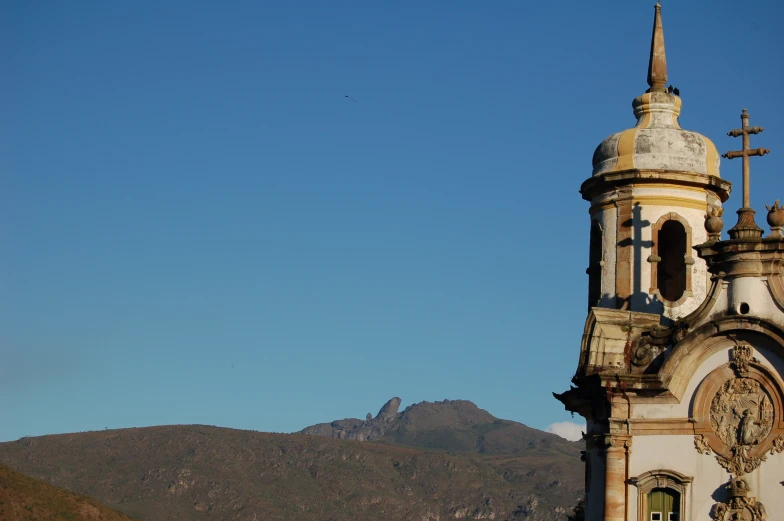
x=199 y=473
x=452 y=425
x=26 y=499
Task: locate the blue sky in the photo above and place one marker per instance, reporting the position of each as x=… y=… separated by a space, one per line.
x=199 y=227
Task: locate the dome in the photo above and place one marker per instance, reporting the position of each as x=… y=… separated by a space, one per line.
x=657 y=142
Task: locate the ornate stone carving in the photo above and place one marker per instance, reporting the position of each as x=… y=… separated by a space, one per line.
x=642 y=354
x=741 y=416
x=737 y=418
x=742 y=413
x=739 y=462
x=701 y=444
x=741 y=356
x=778 y=445
x=739 y=507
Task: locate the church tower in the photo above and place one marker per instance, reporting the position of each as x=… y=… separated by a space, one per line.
x=680 y=370
x=650 y=188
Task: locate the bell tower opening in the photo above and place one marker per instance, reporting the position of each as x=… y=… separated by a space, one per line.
x=671 y=273
x=595 y=263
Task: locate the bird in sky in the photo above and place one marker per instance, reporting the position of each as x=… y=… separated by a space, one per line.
x=352 y=99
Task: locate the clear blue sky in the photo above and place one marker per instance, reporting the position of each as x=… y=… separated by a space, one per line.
x=198 y=227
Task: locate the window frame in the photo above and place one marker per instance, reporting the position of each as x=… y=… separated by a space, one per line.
x=654 y=259
x=661 y=478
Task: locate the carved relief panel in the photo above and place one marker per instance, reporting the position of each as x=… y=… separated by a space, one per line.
x=739 y=411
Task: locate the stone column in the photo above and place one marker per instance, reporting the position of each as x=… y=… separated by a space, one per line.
x=615 y=480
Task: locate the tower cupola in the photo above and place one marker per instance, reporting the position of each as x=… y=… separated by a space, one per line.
x=657 y=141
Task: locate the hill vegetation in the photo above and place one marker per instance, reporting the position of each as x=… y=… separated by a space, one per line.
x=26 y=499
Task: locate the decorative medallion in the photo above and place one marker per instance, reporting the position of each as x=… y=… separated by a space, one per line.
x=739 y=507
x=742 y=413
x=737 y=414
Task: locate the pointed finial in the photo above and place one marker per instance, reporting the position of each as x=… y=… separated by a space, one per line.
x=657 y=65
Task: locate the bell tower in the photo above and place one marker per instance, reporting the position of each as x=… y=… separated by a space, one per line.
x=650 y=189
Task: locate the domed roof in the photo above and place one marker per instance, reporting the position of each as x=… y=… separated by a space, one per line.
x=657 y=142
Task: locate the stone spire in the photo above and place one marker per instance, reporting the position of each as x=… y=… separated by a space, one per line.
x=657 y=65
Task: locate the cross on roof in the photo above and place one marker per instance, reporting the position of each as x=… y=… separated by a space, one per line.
x=746 y=227
x=746 y=153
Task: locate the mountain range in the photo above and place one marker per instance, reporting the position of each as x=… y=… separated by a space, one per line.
x=434 y=461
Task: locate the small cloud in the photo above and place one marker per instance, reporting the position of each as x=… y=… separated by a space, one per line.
x=569 y=430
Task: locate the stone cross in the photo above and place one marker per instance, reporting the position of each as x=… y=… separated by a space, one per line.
x=746 y=153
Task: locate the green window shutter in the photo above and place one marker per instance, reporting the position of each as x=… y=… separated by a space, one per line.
x=664 y=505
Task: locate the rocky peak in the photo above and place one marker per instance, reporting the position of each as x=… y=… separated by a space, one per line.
x=356 y=429
x=388 y=412
x=453 y=425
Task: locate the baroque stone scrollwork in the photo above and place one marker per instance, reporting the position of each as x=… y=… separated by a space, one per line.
x=741 y=415
x=738 y=414
x=778 y=445
x=740 y=463
x=701 y=444
x=642 y=354
x=739 y=507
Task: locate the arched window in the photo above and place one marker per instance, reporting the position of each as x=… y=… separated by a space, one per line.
x=595 y=263
x=661 y=495
x=671 y=259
